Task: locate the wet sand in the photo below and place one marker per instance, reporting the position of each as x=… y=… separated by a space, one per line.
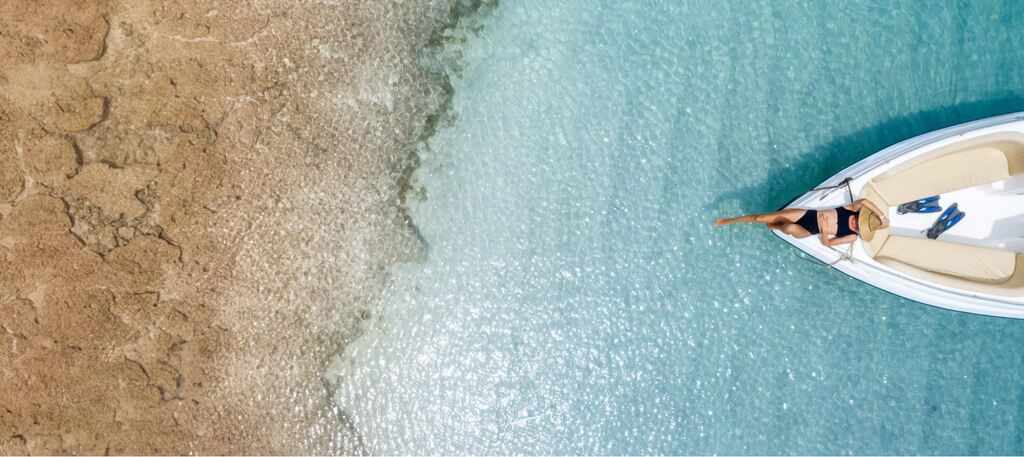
x=197 y=203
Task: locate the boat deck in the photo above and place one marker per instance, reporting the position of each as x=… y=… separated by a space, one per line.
x=994 y=216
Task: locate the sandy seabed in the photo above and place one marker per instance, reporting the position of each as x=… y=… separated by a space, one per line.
x=198 y=200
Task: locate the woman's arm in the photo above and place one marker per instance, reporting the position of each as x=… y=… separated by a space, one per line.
x=837 y=241
x=822 y=223
x=871 y=206
x=855 y=206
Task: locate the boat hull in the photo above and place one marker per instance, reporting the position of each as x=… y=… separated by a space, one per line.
x=862 y=266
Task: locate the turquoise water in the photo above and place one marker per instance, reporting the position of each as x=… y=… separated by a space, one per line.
x=576 y=298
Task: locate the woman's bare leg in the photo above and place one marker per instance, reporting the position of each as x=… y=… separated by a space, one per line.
x=791 y=229
x=787 y=216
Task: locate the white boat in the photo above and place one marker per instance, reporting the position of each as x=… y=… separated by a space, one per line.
x=977 y=266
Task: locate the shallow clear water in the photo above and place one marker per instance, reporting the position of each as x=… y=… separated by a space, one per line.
x=577 y=299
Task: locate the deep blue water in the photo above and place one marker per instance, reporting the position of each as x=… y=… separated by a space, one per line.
x=577 y=298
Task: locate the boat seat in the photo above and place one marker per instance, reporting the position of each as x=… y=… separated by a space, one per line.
x=946 y=173
x=974 y=263
x=1013 y=287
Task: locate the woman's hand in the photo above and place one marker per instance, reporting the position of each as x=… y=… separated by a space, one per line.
x=882 y=215
x=874 y=209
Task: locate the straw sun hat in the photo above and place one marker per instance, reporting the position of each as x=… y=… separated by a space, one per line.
x=867 y=223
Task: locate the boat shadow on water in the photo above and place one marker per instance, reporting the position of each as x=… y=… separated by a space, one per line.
x=793 y=177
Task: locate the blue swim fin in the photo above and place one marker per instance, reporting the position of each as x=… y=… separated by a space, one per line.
x=946 y=221
x=924 y=205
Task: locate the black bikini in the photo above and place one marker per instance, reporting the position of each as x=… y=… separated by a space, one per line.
x=843 y=222
x=809 y=221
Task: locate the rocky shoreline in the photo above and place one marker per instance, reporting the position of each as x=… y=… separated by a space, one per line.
x=197 y=204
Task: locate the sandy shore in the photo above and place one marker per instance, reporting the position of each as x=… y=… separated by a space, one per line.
x=197 y=203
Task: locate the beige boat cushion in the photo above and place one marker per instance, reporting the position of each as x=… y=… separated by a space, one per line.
x=954 y=171
x=969 y=262
x=1013 y=287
